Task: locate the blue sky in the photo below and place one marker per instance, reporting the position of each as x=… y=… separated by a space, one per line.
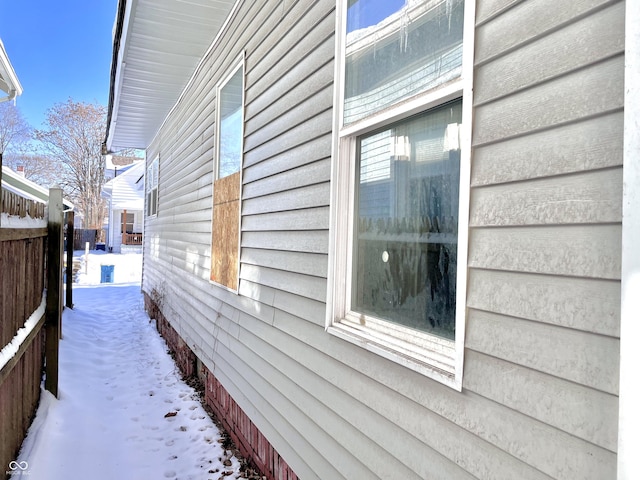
x=59 y=49
x=364 y=13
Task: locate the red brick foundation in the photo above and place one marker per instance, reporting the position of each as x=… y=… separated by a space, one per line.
x=248 y=439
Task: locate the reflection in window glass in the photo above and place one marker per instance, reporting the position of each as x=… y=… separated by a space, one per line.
x=405 y=238
x=230 y=129
x=396 y=49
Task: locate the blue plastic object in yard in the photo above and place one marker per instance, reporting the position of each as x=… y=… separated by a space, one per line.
x=106 y=273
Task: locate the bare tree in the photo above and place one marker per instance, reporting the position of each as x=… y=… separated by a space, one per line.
x=74 y=139
x=38 y=168
x=15 y=142
x=14 y=129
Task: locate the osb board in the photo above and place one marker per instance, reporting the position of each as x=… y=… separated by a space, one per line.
x=226 y=189
x=226 y=231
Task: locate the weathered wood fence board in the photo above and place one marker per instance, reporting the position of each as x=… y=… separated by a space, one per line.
x=19 y=395
x=21 y=281
x=82 y=236
x=21 y=207
x=27 y=266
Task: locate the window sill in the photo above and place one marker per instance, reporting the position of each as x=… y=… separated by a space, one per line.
x=428 y=355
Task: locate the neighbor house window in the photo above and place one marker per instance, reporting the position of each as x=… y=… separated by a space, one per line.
x=126 y=222
x=152 y=188
x=225 y=232
x=398 y=266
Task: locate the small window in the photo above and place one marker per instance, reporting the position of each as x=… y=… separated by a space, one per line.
x=401 y=165
x=126 y=223
x=225 y=231
x=230 y=126
x=152 y=188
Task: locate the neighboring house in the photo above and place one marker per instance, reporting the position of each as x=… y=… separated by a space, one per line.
x=116 y=164
x=18 y=184
x=396 y=239
x=125 y=196
x=9 y=82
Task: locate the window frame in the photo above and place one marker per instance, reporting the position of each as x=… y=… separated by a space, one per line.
x=435 y=357
x=238 y=65
x=126 y=223
x=151 y=182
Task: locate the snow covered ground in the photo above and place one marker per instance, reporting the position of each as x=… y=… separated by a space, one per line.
x=123 y=412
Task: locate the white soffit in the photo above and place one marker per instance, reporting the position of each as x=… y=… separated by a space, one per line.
x=160 y=46
x=8 y=80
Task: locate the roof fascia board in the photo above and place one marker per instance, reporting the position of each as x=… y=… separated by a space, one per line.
x=121 y=35
x=9 y=77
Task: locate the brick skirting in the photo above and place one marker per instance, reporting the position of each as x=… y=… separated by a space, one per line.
x=251 y=443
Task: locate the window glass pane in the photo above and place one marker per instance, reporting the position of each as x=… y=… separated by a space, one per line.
x=155 y=173
x=398 y=48
x=405 y=238
x=128 y=223
x=230 y=145
x=154 y=201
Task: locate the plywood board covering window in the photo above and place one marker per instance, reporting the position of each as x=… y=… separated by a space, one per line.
x=226 y=234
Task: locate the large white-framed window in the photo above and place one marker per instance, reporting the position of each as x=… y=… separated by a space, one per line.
x=152 y=187
x=400 y=181
x=227 y=185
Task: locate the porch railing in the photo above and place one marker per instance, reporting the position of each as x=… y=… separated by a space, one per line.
x=132 y=239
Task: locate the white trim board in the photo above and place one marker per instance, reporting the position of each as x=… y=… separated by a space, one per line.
x=629 y=414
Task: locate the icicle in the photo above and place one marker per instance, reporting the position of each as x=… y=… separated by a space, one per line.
x=449 y=11
x=404 y=29
x=375 y=44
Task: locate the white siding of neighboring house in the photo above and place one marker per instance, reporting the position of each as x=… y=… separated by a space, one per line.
x=115 y=219
x=125 y=192
x=540 y=384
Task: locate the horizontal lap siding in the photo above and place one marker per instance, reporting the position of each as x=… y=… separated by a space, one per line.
x=285 y=211
x=543 y=289
x=543 y=294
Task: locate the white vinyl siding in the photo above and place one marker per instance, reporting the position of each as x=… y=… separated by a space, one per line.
x=539 y=394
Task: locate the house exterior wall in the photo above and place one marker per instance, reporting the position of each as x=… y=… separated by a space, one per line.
x=115 y=225
x=539 y=394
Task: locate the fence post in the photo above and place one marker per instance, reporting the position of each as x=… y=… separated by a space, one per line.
x=54 y=288
x=69 y=293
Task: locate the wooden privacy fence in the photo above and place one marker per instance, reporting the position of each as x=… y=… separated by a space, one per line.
x=21 y=207
x=82 y=236
x=30 y=309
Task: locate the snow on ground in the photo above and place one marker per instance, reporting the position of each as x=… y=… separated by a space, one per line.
x=123 y=412
x=14 y=221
